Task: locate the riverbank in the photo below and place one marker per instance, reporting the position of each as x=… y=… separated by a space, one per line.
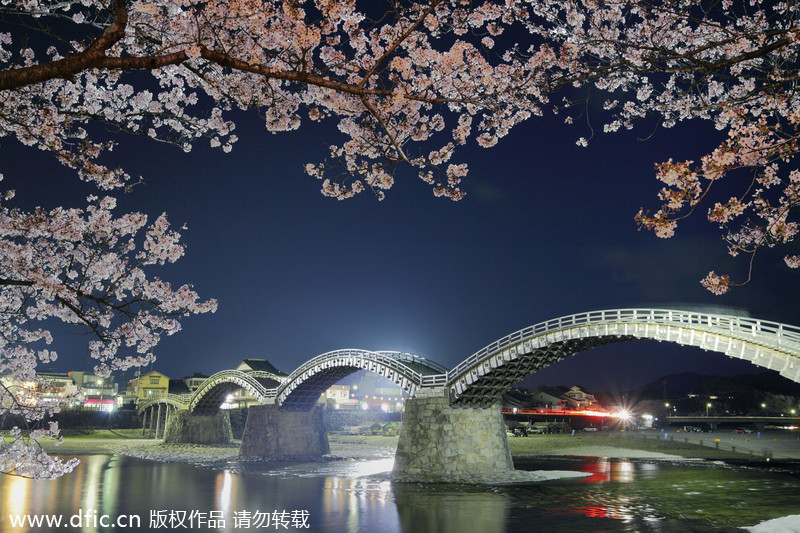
x=615 y=445
x=772 y=450
x=612 y=445
x=130 y=442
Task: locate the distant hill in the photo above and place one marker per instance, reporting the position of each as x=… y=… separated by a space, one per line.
x=673 y=385
x=762 y=382
x=678 y=385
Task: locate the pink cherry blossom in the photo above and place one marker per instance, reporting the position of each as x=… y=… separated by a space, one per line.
x=85 y=268
x=716 y=283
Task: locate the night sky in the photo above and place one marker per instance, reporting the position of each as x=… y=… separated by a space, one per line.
x=547 y=229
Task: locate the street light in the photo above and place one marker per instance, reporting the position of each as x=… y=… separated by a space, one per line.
x=707 y=406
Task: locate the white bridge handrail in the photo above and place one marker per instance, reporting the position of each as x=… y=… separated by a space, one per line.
x=411 y=358
x=393 y=362
x=769 y=333
x=438 y=380
x=381 y=358
x=267 y=375
x=182 y=399
x=227 y=376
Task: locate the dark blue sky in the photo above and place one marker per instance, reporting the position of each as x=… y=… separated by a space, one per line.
x=547 y=229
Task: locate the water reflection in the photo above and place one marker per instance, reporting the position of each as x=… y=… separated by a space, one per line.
x=451 y=509
x=361 y=501
x=619 y=495
x=16 y=495
x=604 y=470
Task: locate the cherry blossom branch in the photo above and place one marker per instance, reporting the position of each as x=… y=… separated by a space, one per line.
x=73 y=63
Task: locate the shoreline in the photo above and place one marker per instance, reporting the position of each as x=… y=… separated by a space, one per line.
x=352 y=448
x=346 y=447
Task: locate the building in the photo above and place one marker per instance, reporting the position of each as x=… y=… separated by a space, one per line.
x=260 y=365
x=53 y=388
x=338 y=397
x=545 y=401
x=178 y=386
x=374 y=391
x=148 y=385
x=194 y=381
x=578 y=399
x=242 y=398
x=98 y=392
x=71 y=389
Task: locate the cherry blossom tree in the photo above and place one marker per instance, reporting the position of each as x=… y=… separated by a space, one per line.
x=88 y=268
x=409 y=84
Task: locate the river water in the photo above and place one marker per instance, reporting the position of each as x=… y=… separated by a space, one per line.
x=127 y=494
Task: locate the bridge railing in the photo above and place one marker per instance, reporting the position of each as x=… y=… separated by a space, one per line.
x=211 y=382
x=265 y=374
x=416 y=359
x=438 y=380
x=179 y=397
x=773 y=332
x=376 y=357
x=182 y=399
x=766 y=331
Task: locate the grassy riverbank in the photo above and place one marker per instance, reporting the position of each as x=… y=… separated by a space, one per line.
x=102 y=434
x=599 y=444
x=558 y=444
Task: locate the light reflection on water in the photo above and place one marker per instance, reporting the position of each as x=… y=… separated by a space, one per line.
x=605 y=470
x=355 y=497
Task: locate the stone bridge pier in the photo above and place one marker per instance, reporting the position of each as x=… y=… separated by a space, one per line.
x=441 y=442
x=184 y=427
x=281 y=434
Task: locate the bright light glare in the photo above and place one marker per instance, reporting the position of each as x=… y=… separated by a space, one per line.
x=623 y=415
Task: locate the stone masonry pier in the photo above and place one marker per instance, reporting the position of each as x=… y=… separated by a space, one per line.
x=439 y=442
x=284 y=435
x=184 y=427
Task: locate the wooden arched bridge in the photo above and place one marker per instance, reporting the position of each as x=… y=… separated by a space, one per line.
x=481 y=379
x=483 y=376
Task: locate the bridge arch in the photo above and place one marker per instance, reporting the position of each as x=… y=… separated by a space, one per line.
x=212 y=392
x=302 y=389
x=177 y=401
x=481 y=378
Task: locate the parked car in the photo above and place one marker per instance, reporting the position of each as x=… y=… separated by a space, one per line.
x=742 y=430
